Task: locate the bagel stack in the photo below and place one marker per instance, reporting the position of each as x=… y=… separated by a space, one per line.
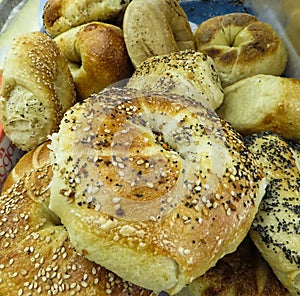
x=241 y=46
x=275 y=229
x=36 y=257
x=187 y=73
x=132 y=166
x=37 y=88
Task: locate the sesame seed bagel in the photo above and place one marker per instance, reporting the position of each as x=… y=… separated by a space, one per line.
x=61 y=15
x=154 y=27
x=36 y=256
x=241 y=46
x=187 y=72
x=275 y=230
x=154 y=187
x=37 y=88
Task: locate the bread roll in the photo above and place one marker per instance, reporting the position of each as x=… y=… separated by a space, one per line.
x=263 y=103
x=37 y=88
x=275 y=230
x=241 y=46
x=36 y=257
x=186 y=73
x=154 y=187
x=97 y=56
x=61 y=15
x=242 y=273
x=38 y=158
x=154 y=27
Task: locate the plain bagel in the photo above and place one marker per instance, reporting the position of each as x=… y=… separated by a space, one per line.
x=241 y=46
x=36 y=256
x=97 y=56
x=153 y=27
x=61 y=15
x=131 y=167
x=263 y=103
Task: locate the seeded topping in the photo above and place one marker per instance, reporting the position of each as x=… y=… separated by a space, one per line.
x=187 y=73
x=37 y=88
x=36 y=256
x=145 y=173
x=275 y=229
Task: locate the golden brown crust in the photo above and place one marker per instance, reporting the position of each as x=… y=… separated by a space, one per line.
x=188 y=73
x=38 y=158
x=36 y=256
x=97 y=56
x=154 y=27
x=142 y=165
x=242 y=273
x=61 y=15
x=37 y=88
x=241 y=46
x=263 y=103
x=275 y=230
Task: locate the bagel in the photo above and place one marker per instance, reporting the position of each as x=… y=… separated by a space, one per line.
x=61 y=15
x=36 y=257
x=154 y=27
x=275 y=229
x=242 y=273
x=187 y=73
x=37 y=88
x=241 y=46
x=97 y=56
x=131 y=167
x=263 y=103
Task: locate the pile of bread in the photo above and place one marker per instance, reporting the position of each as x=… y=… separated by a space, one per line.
x=158 y=159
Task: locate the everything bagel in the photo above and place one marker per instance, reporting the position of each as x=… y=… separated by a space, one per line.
x=154 y=187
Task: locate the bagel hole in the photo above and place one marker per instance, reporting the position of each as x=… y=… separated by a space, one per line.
x=159 y=139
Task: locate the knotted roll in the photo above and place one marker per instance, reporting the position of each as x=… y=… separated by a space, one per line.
x=37 y=88
x=61 y=15
x=154 y=187
x=97 y=56
x=275 y=230
x=36 y=256
x=154 y=27
x=241 y=46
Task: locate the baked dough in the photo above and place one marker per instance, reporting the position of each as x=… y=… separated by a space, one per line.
x=242 y=273
x=37 y=88
x=36 y=257
x=97 y=56
x=241 y=46
x=187 y=73
x=263 y=103
x=154 y=27
x=154 y=187
x=61 y=15
x=275 y=230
